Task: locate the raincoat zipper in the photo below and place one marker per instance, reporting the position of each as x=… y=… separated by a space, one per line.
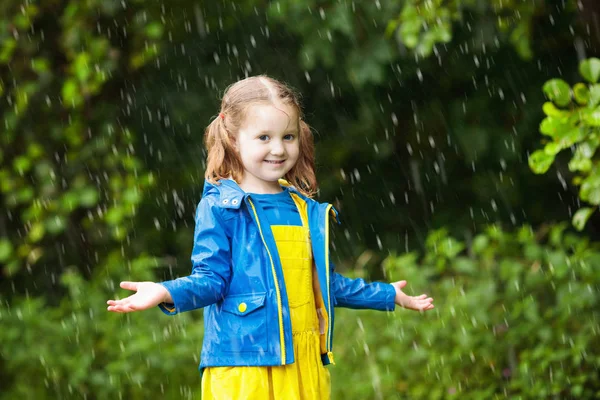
x=329 y=327
x=279 y=311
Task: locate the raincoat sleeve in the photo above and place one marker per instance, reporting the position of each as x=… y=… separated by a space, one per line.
x=211 y=264
x=359 y=294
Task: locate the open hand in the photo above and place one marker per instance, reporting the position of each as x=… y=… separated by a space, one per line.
x=148 y=295
x=417 y=303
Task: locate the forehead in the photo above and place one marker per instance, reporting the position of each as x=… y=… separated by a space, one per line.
x=271 y=117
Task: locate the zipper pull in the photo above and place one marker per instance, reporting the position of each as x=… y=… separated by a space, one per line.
x=330 y=356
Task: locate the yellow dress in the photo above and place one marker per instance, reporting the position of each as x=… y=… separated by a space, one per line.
x=306 y=378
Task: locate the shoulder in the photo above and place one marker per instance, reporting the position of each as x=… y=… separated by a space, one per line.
x=222 y=199
x=308 y=200
x=292 y=189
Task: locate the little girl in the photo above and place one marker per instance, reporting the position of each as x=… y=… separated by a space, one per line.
x=261 y=265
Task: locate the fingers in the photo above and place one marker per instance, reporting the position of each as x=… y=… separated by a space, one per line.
x=130 y=285
x=126 y=304
x=120 y=309
x=421 y=303
x=121 y=306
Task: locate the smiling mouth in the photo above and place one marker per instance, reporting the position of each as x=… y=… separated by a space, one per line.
x=275 y=162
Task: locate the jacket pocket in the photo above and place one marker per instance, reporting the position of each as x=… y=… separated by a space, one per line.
x=243 y=327
x=243 y=304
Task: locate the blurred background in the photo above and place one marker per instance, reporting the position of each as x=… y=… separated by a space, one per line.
x=456 y=138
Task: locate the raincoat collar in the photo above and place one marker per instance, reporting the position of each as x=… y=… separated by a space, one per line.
x=231 y=195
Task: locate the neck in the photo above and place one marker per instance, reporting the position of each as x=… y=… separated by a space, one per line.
x=261 y=189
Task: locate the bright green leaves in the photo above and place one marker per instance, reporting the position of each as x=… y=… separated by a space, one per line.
x=540 y=161
x=592 y=117
x=590 y=69
x=558 y=91
x=573 y=120
x=581 y=217
x=590 y=187
x=581 y=93
x=594 y=94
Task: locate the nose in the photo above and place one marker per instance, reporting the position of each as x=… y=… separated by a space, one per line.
x=277 y=148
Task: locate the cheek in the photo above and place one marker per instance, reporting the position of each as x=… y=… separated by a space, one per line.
x=296 y=150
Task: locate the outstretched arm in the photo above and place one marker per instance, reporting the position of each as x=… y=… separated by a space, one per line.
x=357 y=294
x=417 y=303
x=148 y=295
x=205 y=285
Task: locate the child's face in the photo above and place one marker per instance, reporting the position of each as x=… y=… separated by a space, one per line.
x=268 y=145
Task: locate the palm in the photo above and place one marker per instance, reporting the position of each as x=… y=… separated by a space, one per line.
x=417 y=303
x=148 y=295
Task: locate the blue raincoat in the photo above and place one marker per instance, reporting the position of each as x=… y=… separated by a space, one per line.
x=237 y=277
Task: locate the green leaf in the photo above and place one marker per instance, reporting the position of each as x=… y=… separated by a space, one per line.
x=114 y=216
x=588 y=148
x=558 y=91
x=88 y=197
x=540 y=161
x=553 y=148
x=581 y=161
x=571 y=137
x=81 y=67
x=581 y=93
x=69 y=201
x=594 y=95
x=36 y=232
x=480 y=243
x=410 y=40
x=580 y=164
x=590 y=69
x=55 y=224
x=21 y=164
x=550 y=110
x=552 y=127
x=154 y=30
x=70 y=93
x=590 y=189
x=7 y=49
x=581 y=217
x=592 y=118
x=6 y=250
x=391 y=28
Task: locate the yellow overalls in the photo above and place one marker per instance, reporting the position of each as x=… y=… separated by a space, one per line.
x=306 y=378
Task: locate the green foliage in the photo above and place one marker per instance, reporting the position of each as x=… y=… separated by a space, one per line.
x=68 y=168
x=335 y=29
x=77 y=349
x=516 y=316
x=423 y=24
x=574 y=124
